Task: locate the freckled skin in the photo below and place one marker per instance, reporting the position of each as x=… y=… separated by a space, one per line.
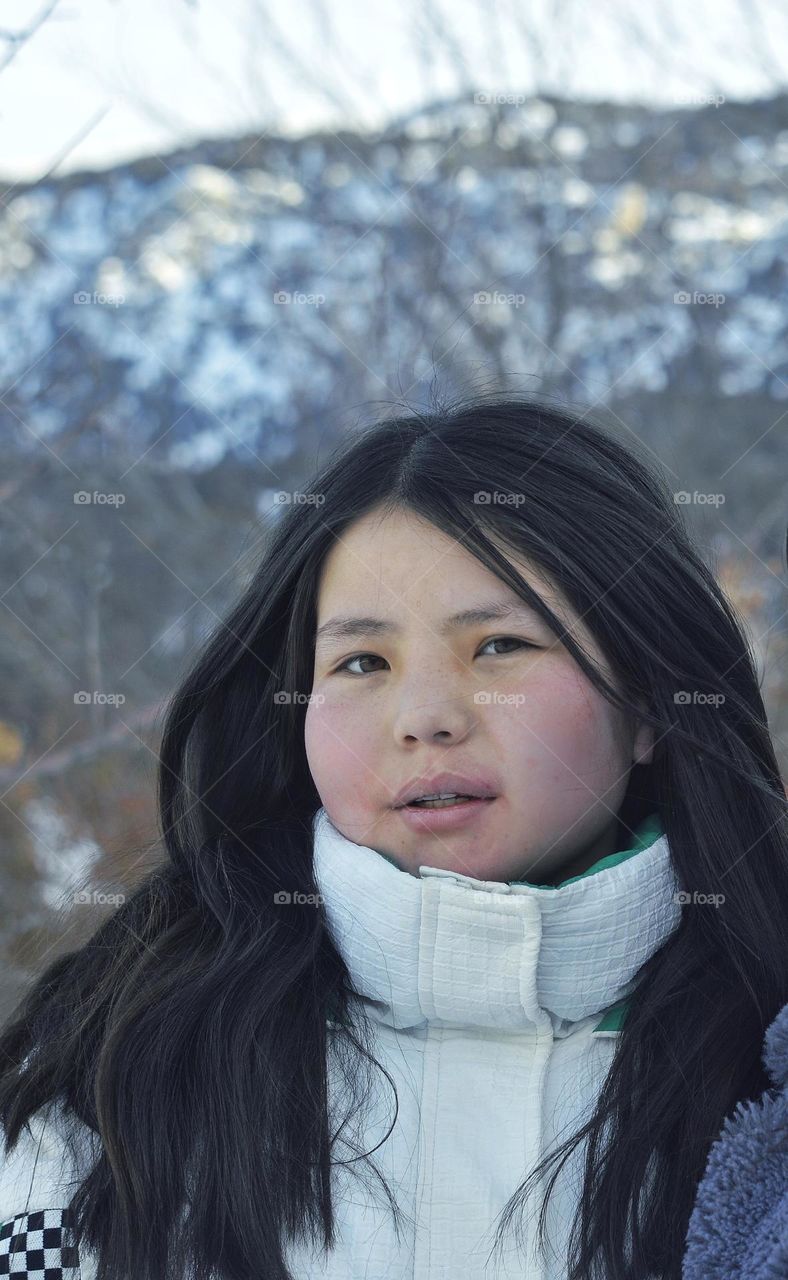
x=560 y=754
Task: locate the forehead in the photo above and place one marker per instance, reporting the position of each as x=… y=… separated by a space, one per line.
x=399 y=550
x=388 y=564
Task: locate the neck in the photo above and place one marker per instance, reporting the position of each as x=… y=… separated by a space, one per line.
x=605 y=844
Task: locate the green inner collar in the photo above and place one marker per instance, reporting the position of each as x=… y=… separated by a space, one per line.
x=647 y=831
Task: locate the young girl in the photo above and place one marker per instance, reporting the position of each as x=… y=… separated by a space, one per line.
x=345 y=1030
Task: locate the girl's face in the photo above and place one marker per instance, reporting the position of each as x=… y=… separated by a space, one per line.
x=556 y=754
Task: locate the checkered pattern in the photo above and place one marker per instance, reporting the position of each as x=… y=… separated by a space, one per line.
x=37 y=1245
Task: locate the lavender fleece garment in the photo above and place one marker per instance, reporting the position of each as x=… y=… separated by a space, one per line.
x=739 y=1224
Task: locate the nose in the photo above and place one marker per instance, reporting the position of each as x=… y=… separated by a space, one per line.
x=434 y=714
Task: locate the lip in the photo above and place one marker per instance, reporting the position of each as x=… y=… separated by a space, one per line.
x=448 y=819
x=472 y=784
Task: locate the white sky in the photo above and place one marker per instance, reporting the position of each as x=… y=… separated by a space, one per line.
x=139 y=76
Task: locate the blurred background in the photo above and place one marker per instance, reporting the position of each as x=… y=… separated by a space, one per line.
x=230 y=232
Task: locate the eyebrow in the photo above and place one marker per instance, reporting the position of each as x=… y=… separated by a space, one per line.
x=343 y=628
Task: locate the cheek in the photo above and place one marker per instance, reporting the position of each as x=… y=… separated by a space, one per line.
x=564 y=731
x=337 y=740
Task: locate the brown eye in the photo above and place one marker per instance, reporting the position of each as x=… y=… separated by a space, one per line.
x=362 y=657
x=359 y=657
x=508 y=640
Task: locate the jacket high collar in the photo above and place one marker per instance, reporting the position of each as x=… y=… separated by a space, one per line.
x=447 y=948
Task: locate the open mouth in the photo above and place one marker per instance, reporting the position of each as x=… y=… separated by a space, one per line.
x=444 y=813
x=446 y=802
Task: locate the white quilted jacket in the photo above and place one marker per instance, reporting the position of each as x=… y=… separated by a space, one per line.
x=495 y=1009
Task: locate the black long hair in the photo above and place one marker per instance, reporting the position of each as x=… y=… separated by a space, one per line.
x=191 y=1031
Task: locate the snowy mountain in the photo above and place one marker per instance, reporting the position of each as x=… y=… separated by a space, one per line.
x=239 y=297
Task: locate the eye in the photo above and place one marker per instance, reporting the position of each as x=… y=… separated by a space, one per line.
x=506 y=640
x=359 y=657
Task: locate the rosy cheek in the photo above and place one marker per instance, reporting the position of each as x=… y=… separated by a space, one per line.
x=559 y=721
x=335 y=740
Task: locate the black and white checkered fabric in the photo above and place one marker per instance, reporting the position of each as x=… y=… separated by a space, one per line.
x=38 y=1245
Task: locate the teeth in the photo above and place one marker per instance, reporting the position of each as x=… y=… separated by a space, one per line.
x=439 y=802
x=442 y=795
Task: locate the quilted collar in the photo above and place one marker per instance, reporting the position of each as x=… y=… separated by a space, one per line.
x=447 y=948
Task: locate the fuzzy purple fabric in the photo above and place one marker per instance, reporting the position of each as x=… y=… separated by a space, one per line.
x=739 y=1224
